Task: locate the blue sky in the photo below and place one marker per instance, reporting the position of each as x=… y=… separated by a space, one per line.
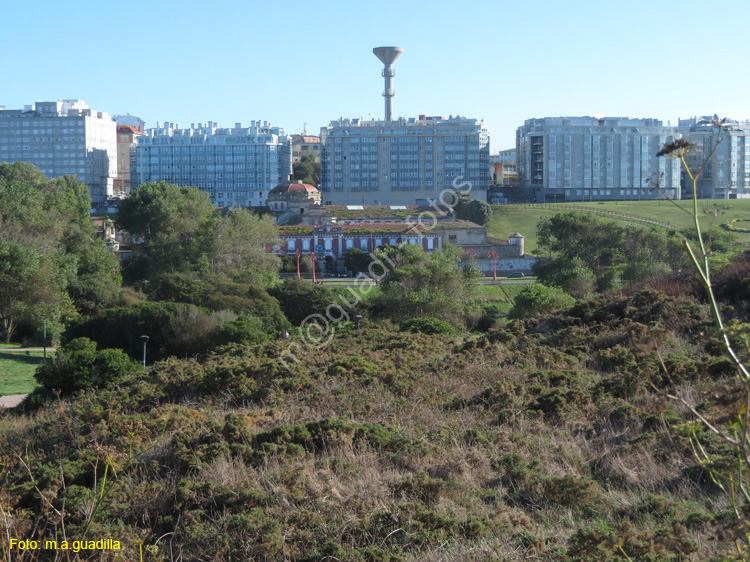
x=309 y=62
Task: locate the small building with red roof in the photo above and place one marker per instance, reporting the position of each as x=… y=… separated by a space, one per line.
x=292 y=197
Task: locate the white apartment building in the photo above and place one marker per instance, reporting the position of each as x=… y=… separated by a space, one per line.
x=596 y=159
x=236 y=166
x=63 y=137
x=404 y=161
x=727 y=174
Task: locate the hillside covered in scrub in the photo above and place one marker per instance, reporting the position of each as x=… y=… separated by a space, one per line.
x=547 y=438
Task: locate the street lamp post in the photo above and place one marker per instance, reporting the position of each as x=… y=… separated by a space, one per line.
x=493 y=255
x=358 y=317
x=44 y=334
x=312 y=256
x=471 y=252
x=298 y=255
x=144 y=339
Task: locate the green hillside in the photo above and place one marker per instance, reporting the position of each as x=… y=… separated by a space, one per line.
x=508 y=219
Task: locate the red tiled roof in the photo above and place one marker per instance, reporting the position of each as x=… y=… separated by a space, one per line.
x=360 y=228
x=294 y=188
x=123 y=128
x=307 y=139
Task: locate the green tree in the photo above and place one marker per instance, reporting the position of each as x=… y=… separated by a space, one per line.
x=170 y=224
x=53 y=219
x=419 y=285
x=356 y=261
x=574 y=277
x=29 y=285
x=475 y=211
x=237 y=243
x=580 y=252
x=307 y=170
x=164 y=212
x=180 y=231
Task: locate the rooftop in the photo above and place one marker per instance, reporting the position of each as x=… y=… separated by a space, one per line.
x=294 y=188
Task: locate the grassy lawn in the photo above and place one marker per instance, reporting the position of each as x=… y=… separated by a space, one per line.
x=508 y=219
x=17 y=371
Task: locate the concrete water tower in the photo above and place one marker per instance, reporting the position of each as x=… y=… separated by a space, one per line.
x=387 y=56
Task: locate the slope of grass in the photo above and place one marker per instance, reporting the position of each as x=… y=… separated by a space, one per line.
x=508 y=219
x=17 y=371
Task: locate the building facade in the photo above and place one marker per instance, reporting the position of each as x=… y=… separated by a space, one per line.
x=63 y=137
x=727 y=174
x=236 y=166
x=503 y=166
x=596 y=159
x=127 y=140
x=331 y=231
x=305 y=145
x=404 y=161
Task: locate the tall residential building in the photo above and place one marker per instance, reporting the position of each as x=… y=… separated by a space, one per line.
x=236 y=166
x=727 y=174
x=63 y=137
x=403 y=161
x=596 y=159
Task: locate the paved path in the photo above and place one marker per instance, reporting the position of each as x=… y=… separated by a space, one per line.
x=22 y=349
x=12 y=400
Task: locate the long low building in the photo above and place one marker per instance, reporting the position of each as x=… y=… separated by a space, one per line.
x=368 y=228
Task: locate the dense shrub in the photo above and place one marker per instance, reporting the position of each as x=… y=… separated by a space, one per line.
x=428 y=326
x=538 y=298
x=174 y=329
x=79 y=366
x=299 y=298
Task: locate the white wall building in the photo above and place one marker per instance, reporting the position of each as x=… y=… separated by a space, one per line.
x=236 y=166
x=596 y=159
x=404 y=161
x=727 y=174
x=63 y=137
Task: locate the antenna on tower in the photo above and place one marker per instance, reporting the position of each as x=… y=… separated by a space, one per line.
x=387 y=56
x=304 y=128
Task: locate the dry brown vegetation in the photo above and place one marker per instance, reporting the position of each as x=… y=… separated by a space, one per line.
x=548 y=439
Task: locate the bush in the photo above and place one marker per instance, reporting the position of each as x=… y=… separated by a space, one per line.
x=79 y=366
x=539 y=298
x=427 y=326
x=174 y=329
x=300 y=298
